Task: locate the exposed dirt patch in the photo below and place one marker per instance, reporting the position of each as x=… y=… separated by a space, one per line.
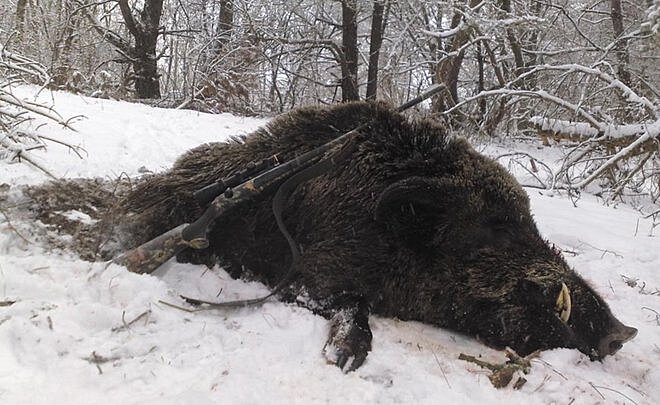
x=80 y=214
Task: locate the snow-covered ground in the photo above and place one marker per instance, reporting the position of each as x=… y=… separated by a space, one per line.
x=81 y=333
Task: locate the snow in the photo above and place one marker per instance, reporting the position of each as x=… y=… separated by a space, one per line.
x=81 y=333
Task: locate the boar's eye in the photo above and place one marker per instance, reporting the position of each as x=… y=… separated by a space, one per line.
x=563 y=304
x=493 y=232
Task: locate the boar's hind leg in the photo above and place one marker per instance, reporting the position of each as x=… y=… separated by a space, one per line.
x=349 y=340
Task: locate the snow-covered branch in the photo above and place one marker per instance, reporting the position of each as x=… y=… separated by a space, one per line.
x=17 y=63
x=614 y=130
x=542 y=94
x=652 y=132
x=36 y=108
x=613 y=82
x=16 y=145
x=585 y=131
x=445 y=33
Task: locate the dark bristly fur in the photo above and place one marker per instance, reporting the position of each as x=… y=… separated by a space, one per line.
x=414 y=225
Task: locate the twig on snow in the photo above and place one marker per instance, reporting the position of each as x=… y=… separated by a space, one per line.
x=127 y=325
x=11 y=226
x=595 y=387
x=97 y=360
x=441 y=369
x=657 y=314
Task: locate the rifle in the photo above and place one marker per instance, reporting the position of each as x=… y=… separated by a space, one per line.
x=240 y=188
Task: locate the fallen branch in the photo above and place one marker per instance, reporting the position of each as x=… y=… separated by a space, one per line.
x=36 y=108
x=542 y=94
x=15 y=111
x=74 y=148
x=502 y=373
x=652 y=132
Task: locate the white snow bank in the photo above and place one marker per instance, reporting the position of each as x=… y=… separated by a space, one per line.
x=118 y=137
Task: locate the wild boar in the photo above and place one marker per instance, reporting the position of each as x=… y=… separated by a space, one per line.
x=415 y=224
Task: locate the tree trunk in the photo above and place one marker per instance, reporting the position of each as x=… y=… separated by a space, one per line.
x=225 y=24
x=480 y=81
x=349 y=64
x=147 y=84
x=143 y=54
x=378 y=24
x=64 y=43
x=21 y=6
x=449 y=69
x=531 y=43
x=621 y=48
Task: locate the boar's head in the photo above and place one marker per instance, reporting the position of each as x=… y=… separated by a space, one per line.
x=488 y=272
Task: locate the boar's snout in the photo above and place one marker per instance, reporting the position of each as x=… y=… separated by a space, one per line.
x=619 y=335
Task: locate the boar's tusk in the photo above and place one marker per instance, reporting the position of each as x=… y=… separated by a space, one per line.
x=563 y=304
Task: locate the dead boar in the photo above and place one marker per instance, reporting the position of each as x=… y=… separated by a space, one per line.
x=415 y=224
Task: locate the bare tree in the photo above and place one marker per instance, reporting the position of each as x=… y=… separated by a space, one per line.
x=140 y=51
x=349 y=46
x=449 y=68
x=378 y=24
x=224 y=25
x=145 y=29
x=620 y=42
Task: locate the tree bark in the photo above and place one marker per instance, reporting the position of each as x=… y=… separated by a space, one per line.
x=378 y=24
x=349 y=64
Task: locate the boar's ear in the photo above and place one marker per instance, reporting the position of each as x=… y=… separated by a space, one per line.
x=412 y=208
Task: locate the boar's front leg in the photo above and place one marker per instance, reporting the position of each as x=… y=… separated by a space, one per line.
x=332 y=275
x=349 y=340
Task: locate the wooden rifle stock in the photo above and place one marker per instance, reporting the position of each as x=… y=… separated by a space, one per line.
x=152 y=254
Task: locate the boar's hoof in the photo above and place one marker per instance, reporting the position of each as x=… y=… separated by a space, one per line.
x=349 y=340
